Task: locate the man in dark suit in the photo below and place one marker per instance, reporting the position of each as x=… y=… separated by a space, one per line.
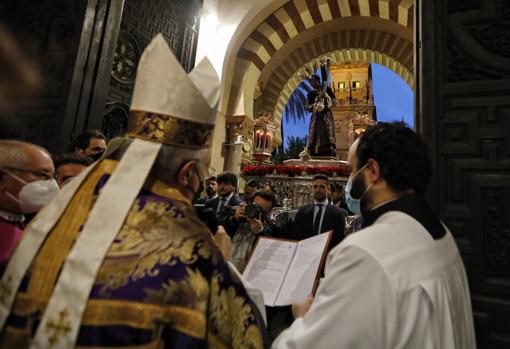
x=226 y=199
x=211 y=189
x=319 y=217
x=310 y=220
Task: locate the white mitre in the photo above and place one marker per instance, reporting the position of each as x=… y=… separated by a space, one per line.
x=170 y=106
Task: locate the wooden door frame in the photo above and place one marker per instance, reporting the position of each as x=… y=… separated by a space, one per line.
x=91 y=74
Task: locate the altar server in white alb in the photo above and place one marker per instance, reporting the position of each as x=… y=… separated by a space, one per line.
x=399 y=282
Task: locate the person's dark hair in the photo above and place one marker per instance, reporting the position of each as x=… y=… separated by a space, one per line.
x=227 y=177
x=266 y=195
x=335 y=187
x=401 y=153
x=82 y=141
x=64 y=159
x=253 y=183
x=321 y=176
x=211 y=179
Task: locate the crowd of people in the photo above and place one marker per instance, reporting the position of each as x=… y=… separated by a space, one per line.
x=244 y=215
x=104 y=247
x=31 y=177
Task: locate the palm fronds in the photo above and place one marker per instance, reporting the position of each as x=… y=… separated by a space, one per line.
x=295 y=110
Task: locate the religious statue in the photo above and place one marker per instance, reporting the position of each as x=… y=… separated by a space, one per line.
x=321 y=133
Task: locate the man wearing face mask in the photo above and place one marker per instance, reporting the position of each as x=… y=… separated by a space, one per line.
x=89 y=143
x=26 y=184
x=399 y=282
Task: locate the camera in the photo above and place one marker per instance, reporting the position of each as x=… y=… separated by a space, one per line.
x=252 y=211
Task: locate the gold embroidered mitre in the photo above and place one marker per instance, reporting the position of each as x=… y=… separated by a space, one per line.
x=170 y=106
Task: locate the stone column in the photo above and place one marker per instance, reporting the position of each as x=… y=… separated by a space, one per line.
x=233 y=153
x=239 y=129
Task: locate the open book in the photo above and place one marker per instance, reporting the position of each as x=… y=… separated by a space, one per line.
x=287 y=271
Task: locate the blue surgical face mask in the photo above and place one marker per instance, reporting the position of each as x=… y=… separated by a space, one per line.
x=354 y=204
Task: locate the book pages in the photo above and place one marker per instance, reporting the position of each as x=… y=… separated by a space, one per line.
x=300 y=278
x=268 y=266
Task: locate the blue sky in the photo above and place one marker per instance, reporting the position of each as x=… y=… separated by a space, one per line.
x=394 y=99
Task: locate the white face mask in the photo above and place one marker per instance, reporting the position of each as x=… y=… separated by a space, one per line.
x=34 y=195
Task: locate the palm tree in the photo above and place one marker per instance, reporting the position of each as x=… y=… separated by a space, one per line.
x=295 y=145
x=278 y=155
x=295 y=109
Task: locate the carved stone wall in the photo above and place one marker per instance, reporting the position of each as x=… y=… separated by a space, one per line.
x=47 y=31
x=466 y=119
x=177 y=20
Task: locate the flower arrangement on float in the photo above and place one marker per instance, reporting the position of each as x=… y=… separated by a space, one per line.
x=263 y=170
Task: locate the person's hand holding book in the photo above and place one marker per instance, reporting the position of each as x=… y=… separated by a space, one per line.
x=300 y=309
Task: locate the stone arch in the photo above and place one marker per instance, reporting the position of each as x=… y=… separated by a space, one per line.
x=299 y=31
x=297 y=16
x=395 y=54
x=338 y=56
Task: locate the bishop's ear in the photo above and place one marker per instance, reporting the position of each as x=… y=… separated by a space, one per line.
x=185 y=173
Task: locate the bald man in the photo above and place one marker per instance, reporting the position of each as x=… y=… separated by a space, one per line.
x=26 y=184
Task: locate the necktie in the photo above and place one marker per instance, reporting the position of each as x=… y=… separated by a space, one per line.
x=222 y=203
x=317 y=220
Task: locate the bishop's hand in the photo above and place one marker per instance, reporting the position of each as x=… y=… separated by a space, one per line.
x=223 y=242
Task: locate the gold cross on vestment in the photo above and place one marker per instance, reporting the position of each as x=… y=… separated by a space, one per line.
x=59 y=327
x=6 y=289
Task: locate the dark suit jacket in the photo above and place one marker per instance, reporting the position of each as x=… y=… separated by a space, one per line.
x=201 y=201
x=334 y=219
x=235 y=200
x=224 y=215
